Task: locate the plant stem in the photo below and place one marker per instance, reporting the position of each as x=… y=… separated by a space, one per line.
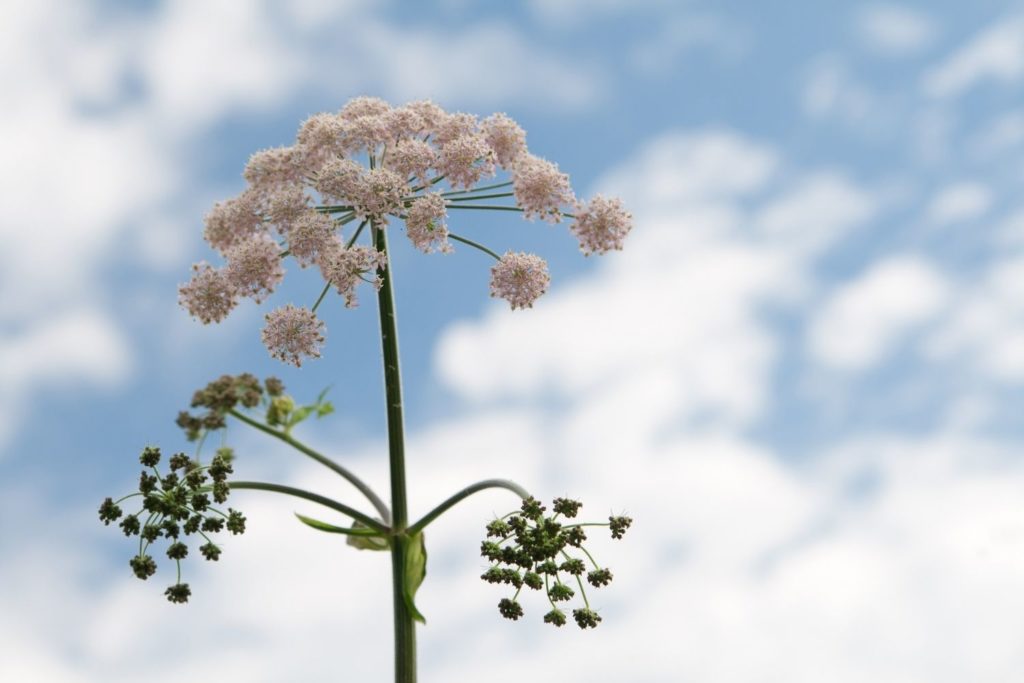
x=477 y=189
x=405 y=627
x=475 y=197
x=314 y=497
x=471 y=243
x=363 y=487
x=487 y=207
x=465 y=493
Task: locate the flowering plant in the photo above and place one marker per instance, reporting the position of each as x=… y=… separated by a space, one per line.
x=298 y=203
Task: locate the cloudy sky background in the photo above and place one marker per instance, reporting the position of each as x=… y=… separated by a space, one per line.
x=802 y=377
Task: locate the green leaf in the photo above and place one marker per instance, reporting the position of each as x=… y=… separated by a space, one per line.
x=415 y=572
x=358 y=531
x=366 y=541
x=325 y=408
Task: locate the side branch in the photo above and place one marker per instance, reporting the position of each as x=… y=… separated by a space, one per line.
x=466 y=493
x=314 y=497
x=347 y=474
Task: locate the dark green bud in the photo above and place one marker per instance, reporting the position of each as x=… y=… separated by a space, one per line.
x=236 y=522
x=560 y=592
x=177 y=551
x=556 y=617
x=147 y=483
x=532 y=508
x=498 y=529
x=574 y=566
x=510 y=609
x=150 y=456
x=586 y=618
x=130 y=525
x=109 y=511
x=599 y=577
x=179 y=461
x=210 y=551
x=566 y=507
x=143 y=566
x=533 y=580
x=619 y=525
x=178 y=593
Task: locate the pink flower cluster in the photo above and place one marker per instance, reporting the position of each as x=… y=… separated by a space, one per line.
x=299 y=197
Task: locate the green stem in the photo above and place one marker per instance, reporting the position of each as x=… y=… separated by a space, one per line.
x=370 y=494
x=488 y=207
x=405 y=627
x=475 y=197
x=471 y=243
x=320 y=298
x=477 y=189
x=466 y=493
x=314 y=497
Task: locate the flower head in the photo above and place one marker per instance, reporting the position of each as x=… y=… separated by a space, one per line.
x=209 y=295
x=601 y=225
x=425 y=224
x=254 y=267
x=285 y=205
x=520 y=279
x=346 y=267
x=340 y=180
x=269 y=169
x=292 y=333
x=310 y=234
x=505 y=137
x=540 y=188
x=465 y=160
x=320 y=138
x=412 y=158
x=234 y=220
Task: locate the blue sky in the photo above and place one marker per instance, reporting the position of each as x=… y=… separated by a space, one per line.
x=801 y=376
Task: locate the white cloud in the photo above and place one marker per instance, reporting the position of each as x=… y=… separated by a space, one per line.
x=662 y=52
x=864 y=320
x=66 y=350
x=986 y=326
x=816 y=211
x=959 y=203
x=996 y=54
x=1002 y=136
x=469 y=67
x=894 y=30
x=202 y=60
x=578 y=13
x=830 y=91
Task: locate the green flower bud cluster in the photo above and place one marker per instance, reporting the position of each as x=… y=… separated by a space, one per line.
x=177 y=504
x=222 y=395
x=530 y=548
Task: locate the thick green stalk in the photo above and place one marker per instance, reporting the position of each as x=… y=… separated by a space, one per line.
x=405 y=627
